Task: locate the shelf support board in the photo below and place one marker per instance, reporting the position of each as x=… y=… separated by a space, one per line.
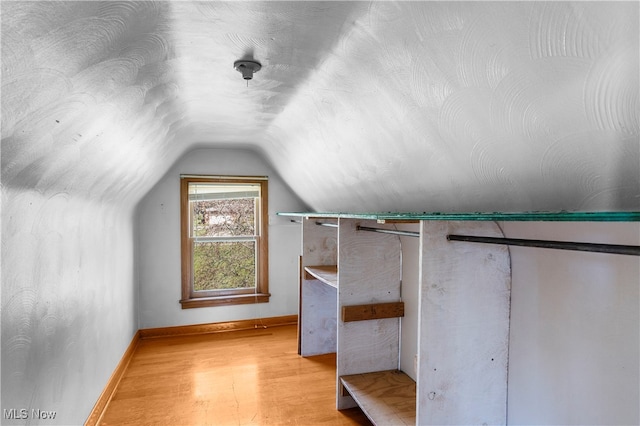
x=372 y=311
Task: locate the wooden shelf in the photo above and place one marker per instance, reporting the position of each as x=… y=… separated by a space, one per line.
x=386 y=397
x=328 y=274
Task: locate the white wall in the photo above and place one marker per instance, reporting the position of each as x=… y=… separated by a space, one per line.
x=68 y=300
x=575 y=325
x=158 y=217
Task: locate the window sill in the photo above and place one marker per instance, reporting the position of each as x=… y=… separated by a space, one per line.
x=240 y=299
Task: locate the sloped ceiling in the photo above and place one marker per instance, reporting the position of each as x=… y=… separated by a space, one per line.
x=378 y=106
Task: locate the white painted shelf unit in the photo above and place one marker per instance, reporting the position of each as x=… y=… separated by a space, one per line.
x=464 y=299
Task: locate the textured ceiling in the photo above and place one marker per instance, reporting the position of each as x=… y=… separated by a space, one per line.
x=359 y=105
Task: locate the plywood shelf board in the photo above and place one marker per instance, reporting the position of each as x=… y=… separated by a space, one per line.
x=464 y=327
x=386 y=397
x=328 y=274
x=318 y=304
x=369 y=272
x=318 y=318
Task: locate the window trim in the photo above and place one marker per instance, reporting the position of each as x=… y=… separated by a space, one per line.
x=233 y=297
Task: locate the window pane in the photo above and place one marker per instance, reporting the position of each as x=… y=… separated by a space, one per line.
x=224 y=265
x=223 y=210
x=223 y=217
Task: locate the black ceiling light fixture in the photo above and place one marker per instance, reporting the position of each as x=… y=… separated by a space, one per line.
x=247 y=67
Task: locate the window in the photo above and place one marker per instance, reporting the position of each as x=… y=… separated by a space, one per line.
x=224 y=223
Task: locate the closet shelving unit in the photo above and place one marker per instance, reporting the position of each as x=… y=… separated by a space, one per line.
x=351 y=304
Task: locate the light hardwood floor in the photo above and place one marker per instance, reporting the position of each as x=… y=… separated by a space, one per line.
x=252 y=377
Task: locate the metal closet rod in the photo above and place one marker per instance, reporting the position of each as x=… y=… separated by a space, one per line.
x=560 y=245
x=330 y=225
x=388 y=231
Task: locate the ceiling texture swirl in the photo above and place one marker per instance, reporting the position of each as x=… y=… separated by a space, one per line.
x=360 y=106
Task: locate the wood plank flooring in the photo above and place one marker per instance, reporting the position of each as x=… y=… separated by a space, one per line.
x=252 y=377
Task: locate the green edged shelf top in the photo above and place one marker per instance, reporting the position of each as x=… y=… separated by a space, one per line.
x=558 y=216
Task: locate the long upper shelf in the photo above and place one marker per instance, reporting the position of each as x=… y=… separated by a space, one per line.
x=559 y=216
